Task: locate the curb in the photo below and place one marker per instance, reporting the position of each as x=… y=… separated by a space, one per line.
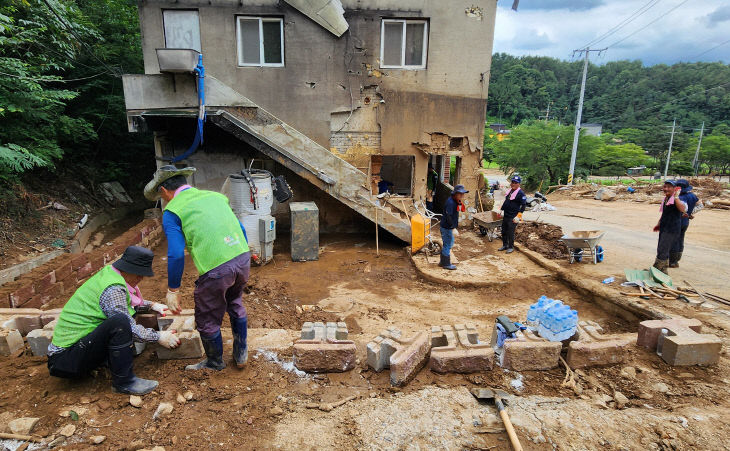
x=638 y=310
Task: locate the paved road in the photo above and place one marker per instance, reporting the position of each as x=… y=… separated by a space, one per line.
x=630 y=243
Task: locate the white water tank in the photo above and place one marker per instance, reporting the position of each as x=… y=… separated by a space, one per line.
x=240 y=198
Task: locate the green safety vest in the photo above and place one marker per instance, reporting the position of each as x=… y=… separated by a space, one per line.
x=212 y=232
x=82 y=313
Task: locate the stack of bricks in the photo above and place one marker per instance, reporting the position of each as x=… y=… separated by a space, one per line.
x=62 y=275
x=684 y=344
x=324 y=348
x=404 y=357
x=36 y=325
x=595 y=349
x=458 y=350
x=529 y=352
x=191 y=346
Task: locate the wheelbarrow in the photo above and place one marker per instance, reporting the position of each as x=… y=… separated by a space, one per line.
x=580 y=241
x=489 y=223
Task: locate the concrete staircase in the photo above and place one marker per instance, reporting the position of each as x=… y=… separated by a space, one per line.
x=163 y=94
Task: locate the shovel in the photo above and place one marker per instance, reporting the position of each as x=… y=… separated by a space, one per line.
x=499 y=398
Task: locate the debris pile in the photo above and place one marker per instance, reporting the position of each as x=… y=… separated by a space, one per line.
x=542 y=238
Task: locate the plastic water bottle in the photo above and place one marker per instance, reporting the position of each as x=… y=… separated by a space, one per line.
x=532 y=321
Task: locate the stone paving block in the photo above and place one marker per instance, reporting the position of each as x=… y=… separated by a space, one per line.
x=457 y=349
x=592 y=348
x=25 y=323
x=38 y=340
x=691 y=348
x=191 y=346
x=22 y=295
x=10 y=342
x=324 y=348
x=684 y=345
x=649 y=330
x=148 y=320
x=44 y=283
x=530 y=352
x=404 y=357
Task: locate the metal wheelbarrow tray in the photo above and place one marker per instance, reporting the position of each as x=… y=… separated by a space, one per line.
x=488 y=222
x=582 y=239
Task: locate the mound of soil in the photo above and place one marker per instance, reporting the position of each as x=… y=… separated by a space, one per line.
x=542 y=238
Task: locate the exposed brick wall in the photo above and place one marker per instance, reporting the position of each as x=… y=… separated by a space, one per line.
x=61 y=276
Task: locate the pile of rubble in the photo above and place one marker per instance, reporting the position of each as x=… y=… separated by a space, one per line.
x=712 y=193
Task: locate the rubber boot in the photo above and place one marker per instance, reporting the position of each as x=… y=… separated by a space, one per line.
x=447 y=262
x=510 y=250
x=503 y=248
x=213 y=346
x=123 y=378
x=239 y=326
x=442 y=260
x=674 y=259
x=661 y=265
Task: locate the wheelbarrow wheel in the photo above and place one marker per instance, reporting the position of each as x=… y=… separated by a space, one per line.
x=434 y=248
x=483 y=231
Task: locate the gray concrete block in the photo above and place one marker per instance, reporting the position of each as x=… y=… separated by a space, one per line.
x=38 y=340
x=10 y=342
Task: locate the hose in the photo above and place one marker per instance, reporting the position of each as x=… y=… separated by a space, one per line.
x=199 y=72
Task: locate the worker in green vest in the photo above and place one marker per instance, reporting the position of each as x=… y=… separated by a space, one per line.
x=96 y=325
x=203 y=222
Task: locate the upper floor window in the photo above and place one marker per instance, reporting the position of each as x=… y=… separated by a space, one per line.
x=403 y=44
x=182 y=29
x=260 y=41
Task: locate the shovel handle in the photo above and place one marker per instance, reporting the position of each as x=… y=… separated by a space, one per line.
x=510 y=430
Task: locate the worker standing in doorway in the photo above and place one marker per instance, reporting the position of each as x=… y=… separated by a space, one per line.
x=203 y=222
x=432 y=180
x=670 y=223
x=513 y=207
x=688 y=197
x=450 y=224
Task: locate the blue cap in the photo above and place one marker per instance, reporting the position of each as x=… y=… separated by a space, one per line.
x=459 y=189
x=516 y=179
x=670 y=182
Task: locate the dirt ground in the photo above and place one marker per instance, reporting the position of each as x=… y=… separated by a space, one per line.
x=264 y=406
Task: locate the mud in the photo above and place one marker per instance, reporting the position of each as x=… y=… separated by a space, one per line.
x=542 y=238
x=264 y=406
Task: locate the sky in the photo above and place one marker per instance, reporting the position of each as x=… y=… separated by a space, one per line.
x=557 y=27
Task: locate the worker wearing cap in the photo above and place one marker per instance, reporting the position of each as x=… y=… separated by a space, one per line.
x=670 y=223
x=688 y=197
x=450 y=224
x=513 y=207
x=203 y=222
x=96 y=325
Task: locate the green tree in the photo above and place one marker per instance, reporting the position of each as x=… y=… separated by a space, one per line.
x=715 y=152
x=36 y=47
x=615 y=160
x=541 y=152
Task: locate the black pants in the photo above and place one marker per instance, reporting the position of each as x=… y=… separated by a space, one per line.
x=679 y=243
x=508 y=231
x=110 y=342
x=665 y=244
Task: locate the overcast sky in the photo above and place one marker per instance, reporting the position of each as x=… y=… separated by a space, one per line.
x=556 y=27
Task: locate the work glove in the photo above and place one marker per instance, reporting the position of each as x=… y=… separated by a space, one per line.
x=518 y=218
x=162 y=309
x=456 y=233
x=169 y=339
x=173 y=301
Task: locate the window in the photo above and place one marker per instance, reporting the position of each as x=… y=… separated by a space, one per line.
x=403 y=44
x=182 y=29
x=260 y=41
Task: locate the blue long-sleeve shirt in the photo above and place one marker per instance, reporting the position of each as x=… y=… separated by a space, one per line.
x=450 y=218
x=690 y=199
x=172 y=226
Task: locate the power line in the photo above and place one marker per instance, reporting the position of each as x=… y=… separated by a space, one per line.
x=86 y=46
x=708 y=51
x=635 y=15
x=647 y=25
x=53 y=80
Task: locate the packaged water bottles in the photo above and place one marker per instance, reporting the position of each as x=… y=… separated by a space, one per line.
x=552 y=319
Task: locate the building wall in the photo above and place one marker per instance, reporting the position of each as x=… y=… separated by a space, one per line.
x=328 y=80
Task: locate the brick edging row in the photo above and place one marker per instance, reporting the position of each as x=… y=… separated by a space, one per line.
x=65 y=273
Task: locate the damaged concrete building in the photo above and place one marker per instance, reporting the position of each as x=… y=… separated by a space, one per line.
x=335 y=95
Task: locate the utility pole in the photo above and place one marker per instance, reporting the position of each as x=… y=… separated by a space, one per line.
x=576 y=135
x=695 y=162
x=547 y=112
x=669 y=153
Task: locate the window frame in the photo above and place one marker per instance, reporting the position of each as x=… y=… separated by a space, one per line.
x=261 y=20
x=164 y=29
x=404 y=22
